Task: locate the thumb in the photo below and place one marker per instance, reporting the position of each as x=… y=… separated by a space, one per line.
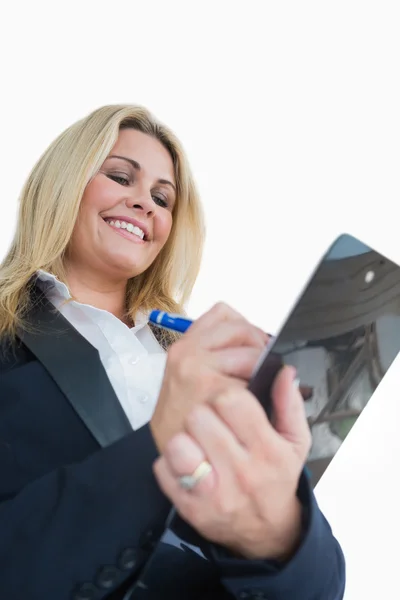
x=290 y=419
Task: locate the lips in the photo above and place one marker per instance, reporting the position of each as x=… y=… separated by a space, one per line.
x=124 y=226
x=129 y=220
x=130 y=236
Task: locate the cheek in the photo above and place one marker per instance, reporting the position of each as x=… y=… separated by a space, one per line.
x=98 y=195
x=164 y=227
x=94 y=200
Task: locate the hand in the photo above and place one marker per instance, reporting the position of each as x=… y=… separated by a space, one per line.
x=219 y=351
x=248 y=502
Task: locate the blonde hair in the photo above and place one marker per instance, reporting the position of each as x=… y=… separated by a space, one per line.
x=49 y=207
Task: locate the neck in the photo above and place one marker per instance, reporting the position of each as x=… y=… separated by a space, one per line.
x=91 y=288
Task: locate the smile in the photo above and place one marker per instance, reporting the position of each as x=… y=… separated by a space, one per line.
x=127 y=230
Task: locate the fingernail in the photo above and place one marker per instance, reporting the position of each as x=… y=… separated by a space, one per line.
x=296 y=382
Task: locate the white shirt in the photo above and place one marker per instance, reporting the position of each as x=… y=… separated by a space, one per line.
x=132 y=357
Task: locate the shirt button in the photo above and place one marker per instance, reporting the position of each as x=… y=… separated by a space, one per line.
x=143 y=398
x=134 y=361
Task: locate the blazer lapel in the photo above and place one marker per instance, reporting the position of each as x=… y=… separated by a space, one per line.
x=75 y=366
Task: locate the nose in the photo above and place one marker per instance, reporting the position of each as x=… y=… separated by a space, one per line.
x=141 y=201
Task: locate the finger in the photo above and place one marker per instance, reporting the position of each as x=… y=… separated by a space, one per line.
x=182 y=499
x=218 y=442
x=290 y=418
x=218 y=313
x=236 y=362
x=169 y=485
x=206 y=328
x=246 y=418
x=183 y=456
x=233 y=333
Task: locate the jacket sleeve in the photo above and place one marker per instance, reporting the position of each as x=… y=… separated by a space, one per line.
x=81 y=531
x=315 y=572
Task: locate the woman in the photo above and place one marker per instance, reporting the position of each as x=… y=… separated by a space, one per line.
x=100 y=428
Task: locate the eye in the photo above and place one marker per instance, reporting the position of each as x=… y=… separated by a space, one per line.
x=119 y=179
x=161 y=201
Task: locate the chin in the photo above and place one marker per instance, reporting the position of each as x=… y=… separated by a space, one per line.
x=128 y=272
x=124 y=269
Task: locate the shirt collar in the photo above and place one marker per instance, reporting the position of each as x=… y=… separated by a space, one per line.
x=55 y=288
x=49 y=282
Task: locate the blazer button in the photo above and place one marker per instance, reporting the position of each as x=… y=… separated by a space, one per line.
x=128 y=559
x=86 y=591
x=107 y=577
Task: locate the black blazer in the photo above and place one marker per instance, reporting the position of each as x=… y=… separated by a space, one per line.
x=80 y=510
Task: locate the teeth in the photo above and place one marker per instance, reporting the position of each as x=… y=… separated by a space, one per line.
x=128 y=226
x=138 y=231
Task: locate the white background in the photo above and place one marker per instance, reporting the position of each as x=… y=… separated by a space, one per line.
x=290 y=113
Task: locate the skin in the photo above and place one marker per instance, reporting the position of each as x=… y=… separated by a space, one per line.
x=204 y=412
x=99 y=260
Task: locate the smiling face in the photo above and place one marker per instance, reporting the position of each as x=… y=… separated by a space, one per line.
x=125 y=215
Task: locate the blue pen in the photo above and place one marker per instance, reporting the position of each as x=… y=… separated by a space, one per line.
x=170 y=321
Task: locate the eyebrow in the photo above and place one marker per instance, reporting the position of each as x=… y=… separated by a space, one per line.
x=138 y=167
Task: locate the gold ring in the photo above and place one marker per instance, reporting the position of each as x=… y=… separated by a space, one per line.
x=188 y=482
